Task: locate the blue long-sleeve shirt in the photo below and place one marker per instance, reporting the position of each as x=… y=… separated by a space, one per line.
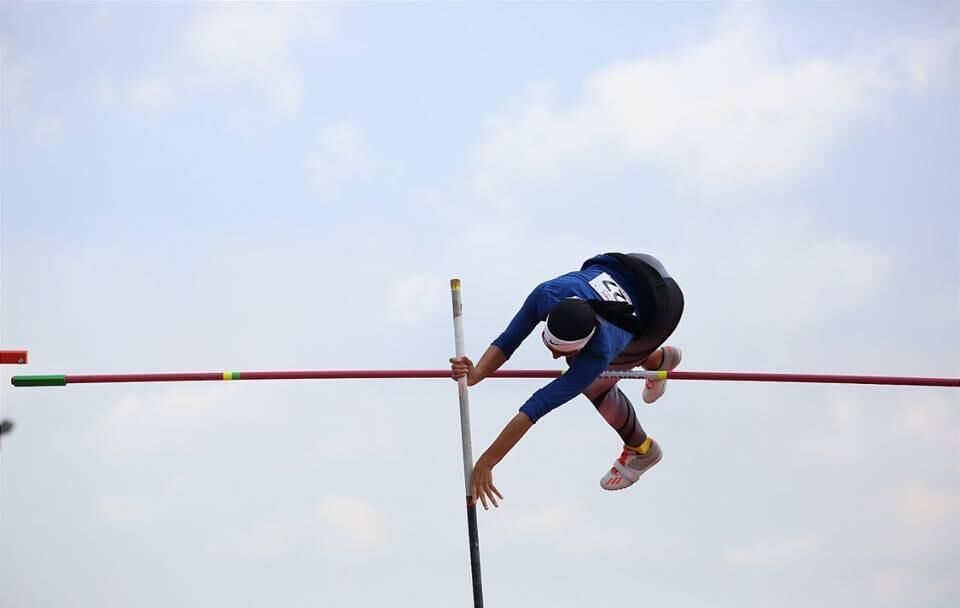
x=591 y=283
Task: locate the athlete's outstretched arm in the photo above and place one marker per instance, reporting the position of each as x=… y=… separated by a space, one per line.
x=490 y=362
x=481 y=481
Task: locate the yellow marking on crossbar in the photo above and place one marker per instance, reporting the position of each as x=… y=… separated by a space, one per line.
x=662 y=375
x=228 y=375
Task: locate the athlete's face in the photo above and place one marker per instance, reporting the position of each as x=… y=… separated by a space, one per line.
x=557 y=354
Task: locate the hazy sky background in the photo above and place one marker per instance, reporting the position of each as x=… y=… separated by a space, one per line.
x=214 y=187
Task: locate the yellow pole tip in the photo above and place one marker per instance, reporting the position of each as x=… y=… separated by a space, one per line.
x=454 y=283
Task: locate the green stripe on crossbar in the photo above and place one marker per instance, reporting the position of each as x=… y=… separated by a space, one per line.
x=49 y=380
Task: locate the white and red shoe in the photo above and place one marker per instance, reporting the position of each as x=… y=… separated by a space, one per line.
x=654 y=389
x=630 y=466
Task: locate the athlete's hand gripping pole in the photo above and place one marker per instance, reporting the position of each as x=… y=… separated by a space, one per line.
x=467 y=447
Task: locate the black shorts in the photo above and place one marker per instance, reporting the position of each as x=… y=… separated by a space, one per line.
x=667 y=309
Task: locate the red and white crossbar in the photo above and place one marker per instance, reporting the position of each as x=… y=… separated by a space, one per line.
x=64 y=379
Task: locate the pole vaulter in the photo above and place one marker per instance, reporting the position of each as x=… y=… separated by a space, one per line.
x=655 y=376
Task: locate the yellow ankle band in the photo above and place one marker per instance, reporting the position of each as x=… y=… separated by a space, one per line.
x=643 y=448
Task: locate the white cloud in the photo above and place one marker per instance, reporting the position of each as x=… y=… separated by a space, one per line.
x=340 y=155
x=234 y=47
x=152 y=94
x=19 y=110
x=929 y=506
x=923 y=419
x=563 y=527
x=923 y=60
x=776 y=553
x=931 y=420
x=125 y=509
x=342 y=527
x=416 y=297
x=926 y=519
x=156 y=421
x=914 y=586
x=728 y=112
x=849 y=271
x=272 y=537
x=345 y=526
x=920 y=511
x=778 y=269
x=845 y=418
x=130 y=509
x=13 y=76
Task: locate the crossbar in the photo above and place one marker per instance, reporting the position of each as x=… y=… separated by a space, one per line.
x=65 y=379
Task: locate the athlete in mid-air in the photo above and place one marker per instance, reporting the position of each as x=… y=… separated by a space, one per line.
x=614 y=313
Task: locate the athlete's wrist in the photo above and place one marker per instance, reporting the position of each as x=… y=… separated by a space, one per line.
x=483 y=462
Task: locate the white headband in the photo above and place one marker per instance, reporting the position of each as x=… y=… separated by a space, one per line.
x=564 y=346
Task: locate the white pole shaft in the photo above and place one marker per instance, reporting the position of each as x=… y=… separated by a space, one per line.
x=462 y=386
x=472 y=533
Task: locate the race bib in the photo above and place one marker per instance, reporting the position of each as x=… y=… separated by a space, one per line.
x=608 y=289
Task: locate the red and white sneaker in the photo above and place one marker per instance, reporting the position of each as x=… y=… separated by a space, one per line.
x=654 y=389
x=630 y=466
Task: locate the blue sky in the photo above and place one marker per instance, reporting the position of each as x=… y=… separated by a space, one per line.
x=247 y=186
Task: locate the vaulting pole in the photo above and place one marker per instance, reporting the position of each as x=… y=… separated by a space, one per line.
x=373 y=374
x=467 y=447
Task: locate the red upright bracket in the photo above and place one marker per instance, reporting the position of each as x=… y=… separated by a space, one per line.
x=13 y=357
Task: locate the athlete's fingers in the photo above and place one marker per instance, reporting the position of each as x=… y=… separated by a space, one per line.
x=481 y=482
x=491 y=496
x=476 y=493
x=457 y=369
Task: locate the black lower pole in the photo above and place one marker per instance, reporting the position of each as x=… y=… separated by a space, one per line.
x=474 y=553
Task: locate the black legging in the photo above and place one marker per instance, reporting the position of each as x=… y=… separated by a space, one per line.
x=604 y=393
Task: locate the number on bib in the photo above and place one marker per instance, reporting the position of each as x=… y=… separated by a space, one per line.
x=608 y=289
